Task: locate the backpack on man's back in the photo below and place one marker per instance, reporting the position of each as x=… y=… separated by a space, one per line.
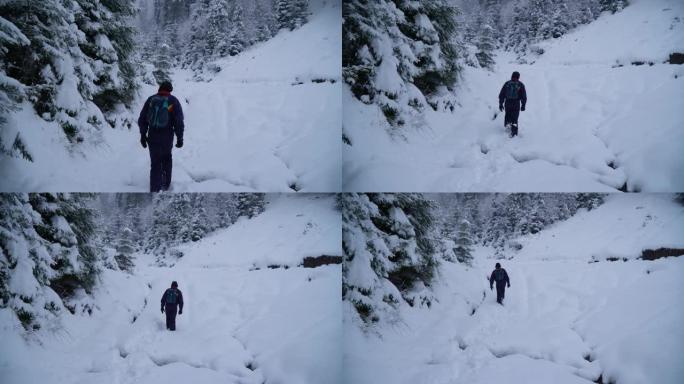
x=513 y=90
x=159 y=112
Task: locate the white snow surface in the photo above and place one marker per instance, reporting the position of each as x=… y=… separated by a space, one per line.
x=589 y=125
x=261 y=124
x=239 y=324
x=564 y=320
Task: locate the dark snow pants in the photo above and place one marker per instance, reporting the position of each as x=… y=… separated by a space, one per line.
x=512 y=112
x=170 y=310
x=161 y=164
x=500 y=292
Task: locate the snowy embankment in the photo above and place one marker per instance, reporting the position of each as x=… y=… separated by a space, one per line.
x=594 y=120
x=565 y=320
x=239 y=324
x=269 y=121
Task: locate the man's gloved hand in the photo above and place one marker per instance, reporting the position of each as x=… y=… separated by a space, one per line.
x=509 y=285
x=179 y=143
x=180 y=312
x=522 y=108
x=500 y=108
x=491 y=287
x=143 y=141
x=162 y=309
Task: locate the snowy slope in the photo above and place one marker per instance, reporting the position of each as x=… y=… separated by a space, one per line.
x=590 y=125
x=239 y=324
x=630 y=224
x=565 y=320
x=264 y=123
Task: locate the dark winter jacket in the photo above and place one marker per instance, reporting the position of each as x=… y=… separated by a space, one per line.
x=500 y=276
x=521 y=97
x=179 y=298
x=175 y=124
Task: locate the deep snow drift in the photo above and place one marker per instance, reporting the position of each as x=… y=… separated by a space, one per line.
x=242 y=322
x=268 y=122
x=565 y=319
x=594 y=121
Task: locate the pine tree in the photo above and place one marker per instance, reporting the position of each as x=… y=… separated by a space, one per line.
x=109 y=32
x=485 y=45
x=11 y=92
x=226 y=206
x=464 y=243
x=90 y=44
x=251 y=204
x=613 y=5
x=300 y=13
x=48 y=243
x=560 y=20
x=535 y=221
x=171 y=11
x=163 y=62
x=471 y=204
x=420 y=64
x=589 y=201
x=125 y=249
x=237 y=36
x=291 y=14
x=389 y=254
x=218 y=22
x=263 y=33
x=520 y=32
x=492 y=8
x=264 y=23
x=198 y=226
x=197 y=46
x=284 y=14
x=171 y=38
x=434 y=74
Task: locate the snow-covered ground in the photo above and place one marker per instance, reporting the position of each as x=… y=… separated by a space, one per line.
x=590 y=125
x=565 y=319
x=268 y=122
x=240 y=324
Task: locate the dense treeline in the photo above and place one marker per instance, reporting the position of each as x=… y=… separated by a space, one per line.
x=159 y=222
x=192 y=33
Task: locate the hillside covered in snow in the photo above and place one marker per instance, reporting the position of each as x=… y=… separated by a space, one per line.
x=602 y=111
x=590 y=300
x=255 y=310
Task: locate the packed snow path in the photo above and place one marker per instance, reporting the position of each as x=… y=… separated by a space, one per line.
x=231 y=331
x=565 y=322
x=206 y=345
x=269 y=121
x=603 y=114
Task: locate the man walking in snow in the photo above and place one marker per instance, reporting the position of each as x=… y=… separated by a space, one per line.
x=514 y=96
x=161 y=118
x=170 y=302
x=501 y=277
